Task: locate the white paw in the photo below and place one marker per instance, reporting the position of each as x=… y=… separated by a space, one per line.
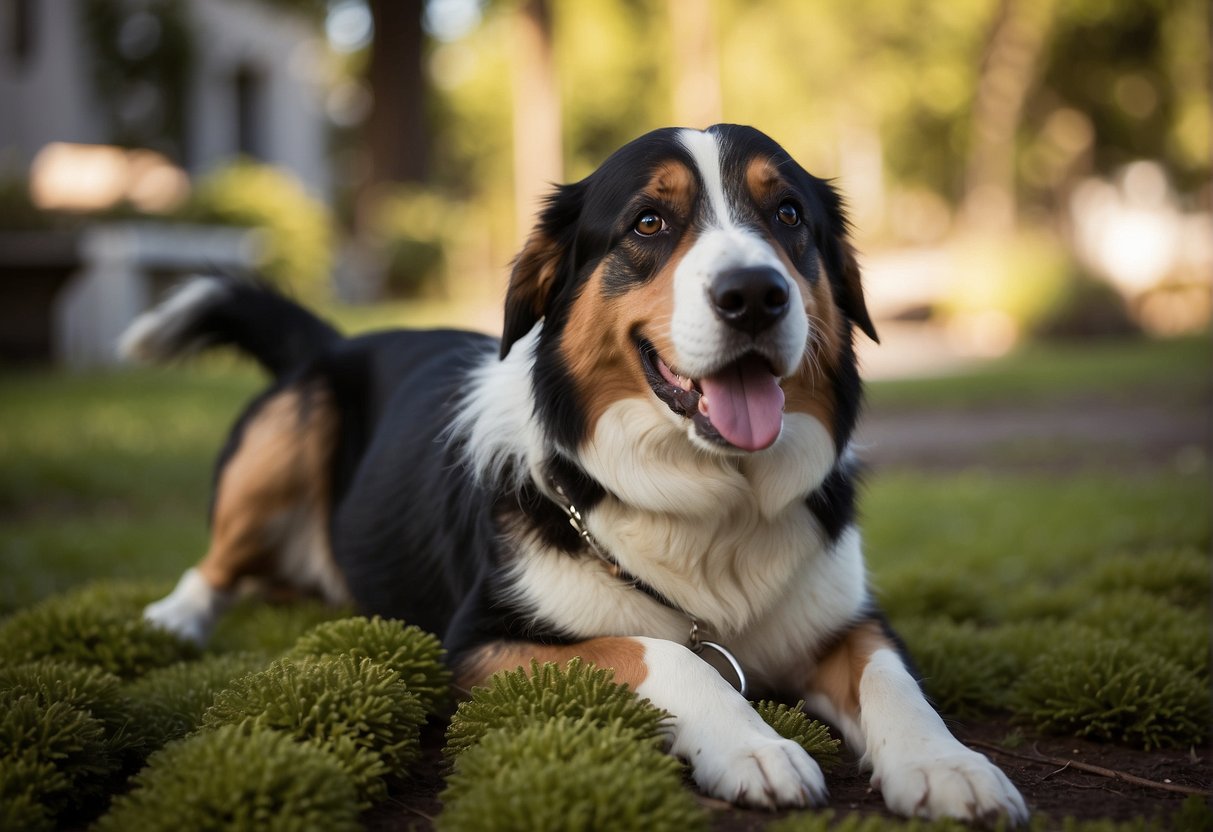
x=767 y=773
x=190 y=610
x=959 y=784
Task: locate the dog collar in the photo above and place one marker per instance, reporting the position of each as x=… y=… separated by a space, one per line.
x=694 y=641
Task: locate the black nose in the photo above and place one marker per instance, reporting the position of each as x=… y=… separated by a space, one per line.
x=750 y=299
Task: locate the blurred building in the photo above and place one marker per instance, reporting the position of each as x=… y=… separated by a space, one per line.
x=106 y=102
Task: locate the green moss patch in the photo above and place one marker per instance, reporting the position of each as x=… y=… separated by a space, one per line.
x=567 y=774
x=791 y=723
x=238 y=777
x=410 y=651
x=579 y=691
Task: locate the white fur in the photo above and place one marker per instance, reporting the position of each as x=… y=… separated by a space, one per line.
x=190 y=610
x=305 y=559
x=156 y=334
x=702 y=342
x=496 y=419
x=919 y=767
x=734 y=754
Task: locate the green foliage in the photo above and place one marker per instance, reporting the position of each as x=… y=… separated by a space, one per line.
x=1111 y=689
x=410 y=651
x=253 y=625
x=829 y=821
x=171 y=700
x=358 y=709
x=953 y=595
x=88 y=689
x=1180 y=575
x=792 y=723
x=51 y=753
x=99 y=626
x=579 y=691
x=25 y=782
x=567 y=773
x=297 y=246
x=413 y=227
x=965 y=671
x=1179 y=635
x=245 y=778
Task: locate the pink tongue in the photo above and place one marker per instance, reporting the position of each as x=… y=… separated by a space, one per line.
x=745 y=404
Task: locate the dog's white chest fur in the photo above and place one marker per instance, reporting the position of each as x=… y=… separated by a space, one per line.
x=730 y=542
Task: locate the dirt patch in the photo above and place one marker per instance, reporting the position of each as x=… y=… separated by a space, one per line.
x=1090 y=433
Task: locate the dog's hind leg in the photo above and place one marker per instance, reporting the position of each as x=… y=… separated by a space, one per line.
x=270 y=513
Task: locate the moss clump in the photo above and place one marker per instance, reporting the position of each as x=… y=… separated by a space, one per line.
x=100 y=626
x=953 y=595
x=413 y=653
x=1113 y=689
x=359 y=710
x=515 y=698
x=1180 y=576
x=52 y=754
x=962 y=670
x=27 y=786
x=793 y=724
x=237 y=778
x=1177 y=634
x=828 y=821
x=171 y=700
x=253 y=626
x=567 y=774
x=87 y=689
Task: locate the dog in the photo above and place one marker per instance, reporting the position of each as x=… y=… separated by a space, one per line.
x=655 y=460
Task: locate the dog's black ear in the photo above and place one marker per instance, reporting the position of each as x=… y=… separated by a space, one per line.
x=841 y=261
x=851 y=300
x=542 y=267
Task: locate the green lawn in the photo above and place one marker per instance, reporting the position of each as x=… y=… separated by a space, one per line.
x=1077 y=601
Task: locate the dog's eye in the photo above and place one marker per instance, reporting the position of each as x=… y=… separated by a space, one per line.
x=788 y=214
x=649 y=223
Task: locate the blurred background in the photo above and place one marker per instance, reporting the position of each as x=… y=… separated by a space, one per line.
x=1015 y=169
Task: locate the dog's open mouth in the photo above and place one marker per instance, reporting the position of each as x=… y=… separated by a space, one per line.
x=738 y=405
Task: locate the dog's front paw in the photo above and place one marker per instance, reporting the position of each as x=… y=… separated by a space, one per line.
x=766 y=773
x=959 y=784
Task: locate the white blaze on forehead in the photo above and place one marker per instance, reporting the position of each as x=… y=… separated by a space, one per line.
x=702 y=343
x=705 y=152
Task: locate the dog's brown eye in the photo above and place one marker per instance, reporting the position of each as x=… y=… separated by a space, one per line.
x=649 y=223
x=788 y=214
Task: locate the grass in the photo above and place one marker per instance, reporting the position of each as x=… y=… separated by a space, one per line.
x=107 y=476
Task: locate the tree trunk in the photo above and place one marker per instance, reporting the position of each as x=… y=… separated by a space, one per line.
x=396 y=131
x=1017 y=40
x=538 y=156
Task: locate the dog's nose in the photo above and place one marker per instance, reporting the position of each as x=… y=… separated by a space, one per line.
x=750 y=299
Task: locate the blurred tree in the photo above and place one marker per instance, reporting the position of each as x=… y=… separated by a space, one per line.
x=397 y=130
x=538 y=153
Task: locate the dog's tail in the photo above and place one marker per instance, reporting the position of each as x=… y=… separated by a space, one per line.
x=216 y=311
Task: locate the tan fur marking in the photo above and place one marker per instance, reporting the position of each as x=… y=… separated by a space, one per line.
x=625 y=656
x=838 y=673
x=597 y=342
x=280 y=467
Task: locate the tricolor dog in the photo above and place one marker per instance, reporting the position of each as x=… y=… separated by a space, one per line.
x=676 y=374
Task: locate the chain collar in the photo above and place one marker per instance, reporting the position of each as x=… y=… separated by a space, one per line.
x=694 y=640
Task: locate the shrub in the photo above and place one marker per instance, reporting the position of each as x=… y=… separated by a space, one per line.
x=237 y=778
x=359 y=710
x=171 y=700
x=296 y=227
x=413 y=653
x=1111 y=689
x=581 y=692
x=567 y=774
x=1180 y=576
x=793 y=724
x=51 y=753
x=100 y=626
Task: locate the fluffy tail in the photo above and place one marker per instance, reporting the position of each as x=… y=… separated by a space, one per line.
x=214 y=311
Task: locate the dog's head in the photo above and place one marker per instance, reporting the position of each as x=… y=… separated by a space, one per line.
x=704 y=271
